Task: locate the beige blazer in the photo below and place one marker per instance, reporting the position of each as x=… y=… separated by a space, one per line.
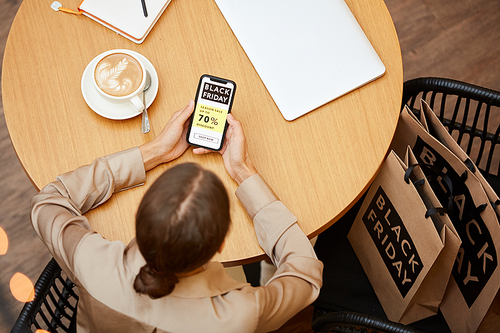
x=210 y=301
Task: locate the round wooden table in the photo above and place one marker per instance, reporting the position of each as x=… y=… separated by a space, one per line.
x=318 y=165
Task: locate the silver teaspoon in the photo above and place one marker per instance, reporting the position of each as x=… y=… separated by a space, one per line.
x=145 y=128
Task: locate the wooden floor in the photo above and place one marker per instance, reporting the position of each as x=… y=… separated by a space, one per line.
x=448 y=38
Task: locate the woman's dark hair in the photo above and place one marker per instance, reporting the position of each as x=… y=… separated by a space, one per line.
x=180 y=225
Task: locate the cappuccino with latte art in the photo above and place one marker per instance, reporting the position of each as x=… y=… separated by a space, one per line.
x=118 y=74
x=119 y=77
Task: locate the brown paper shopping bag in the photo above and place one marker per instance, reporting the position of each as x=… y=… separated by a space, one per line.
x=436 y=128
x=399 y=247
x=439 y=275
x=476 y=274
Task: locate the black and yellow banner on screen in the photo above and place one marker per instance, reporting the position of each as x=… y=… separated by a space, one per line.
x=210 y=118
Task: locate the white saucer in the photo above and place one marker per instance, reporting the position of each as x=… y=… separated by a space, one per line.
x=116 y=110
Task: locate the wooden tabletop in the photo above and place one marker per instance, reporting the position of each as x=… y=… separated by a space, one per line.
x=318 y=165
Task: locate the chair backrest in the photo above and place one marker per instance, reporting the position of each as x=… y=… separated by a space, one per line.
x=54 y=306
x=471 y=114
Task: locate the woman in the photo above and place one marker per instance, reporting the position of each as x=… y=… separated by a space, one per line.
x=164 y=281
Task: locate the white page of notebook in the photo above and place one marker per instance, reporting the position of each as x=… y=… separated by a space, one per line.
x=126 y=15
x=307 y=53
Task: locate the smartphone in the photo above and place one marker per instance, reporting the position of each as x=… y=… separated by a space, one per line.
x=213 y=102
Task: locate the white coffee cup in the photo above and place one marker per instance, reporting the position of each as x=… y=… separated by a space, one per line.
x=119 y=76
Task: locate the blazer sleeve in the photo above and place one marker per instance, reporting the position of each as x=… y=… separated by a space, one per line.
x=298 y=278
x=57 y=210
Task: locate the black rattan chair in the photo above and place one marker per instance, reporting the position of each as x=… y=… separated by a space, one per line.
x=471 y=114
x=347 y=302
x=54 y=306
x=347 y=322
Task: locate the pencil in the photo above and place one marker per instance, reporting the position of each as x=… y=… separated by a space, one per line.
x=144 y=9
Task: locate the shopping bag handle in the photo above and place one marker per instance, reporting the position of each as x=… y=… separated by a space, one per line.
x=433 y=210
x=437 y=173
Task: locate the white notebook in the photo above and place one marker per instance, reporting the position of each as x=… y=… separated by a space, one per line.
x=126 y=17
x=307 y=53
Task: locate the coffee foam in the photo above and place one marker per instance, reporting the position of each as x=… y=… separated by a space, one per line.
x=118 y=74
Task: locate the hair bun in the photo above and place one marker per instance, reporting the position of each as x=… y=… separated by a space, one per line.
x=153 y=283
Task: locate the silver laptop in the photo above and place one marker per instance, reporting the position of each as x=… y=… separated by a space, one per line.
x=307 y=53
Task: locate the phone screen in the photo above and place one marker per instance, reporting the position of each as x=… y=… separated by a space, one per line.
x=214 y=99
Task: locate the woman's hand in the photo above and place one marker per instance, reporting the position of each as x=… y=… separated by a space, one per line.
x=234 y=152
x=171 y=143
